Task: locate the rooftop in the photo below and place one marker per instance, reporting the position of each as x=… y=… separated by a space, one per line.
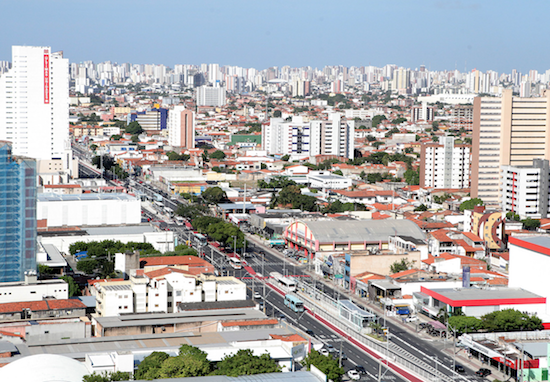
x=52 y=197
x=459 y=297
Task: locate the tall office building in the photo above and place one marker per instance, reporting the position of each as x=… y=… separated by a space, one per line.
x=181 y=127
x=507 y=131
x=18 y=208
x=444 y=164
x=210 y=96
x=336 y=136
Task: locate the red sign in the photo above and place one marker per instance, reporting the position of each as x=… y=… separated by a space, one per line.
x=46 y=78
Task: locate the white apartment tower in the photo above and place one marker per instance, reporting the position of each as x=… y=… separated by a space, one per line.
x=445 y=165
x=210 y=96
x=34 y=105
x=298 y=138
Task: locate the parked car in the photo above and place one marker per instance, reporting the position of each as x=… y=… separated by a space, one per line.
x=344 y=356
x=412 y=318
x=459 y=368
x=324 y=352
x=309 y=332
x=483 y=372
x=257 y=296
x=354 y=375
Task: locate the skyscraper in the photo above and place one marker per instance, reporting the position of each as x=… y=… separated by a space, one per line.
x=18 y=210
x=34 y=105
x=508 y=131
x=444 y=164
x=181 y=127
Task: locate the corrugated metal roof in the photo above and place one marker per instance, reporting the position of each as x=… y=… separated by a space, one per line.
x=358 y=231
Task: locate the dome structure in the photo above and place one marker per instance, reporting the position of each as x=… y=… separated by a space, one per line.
x=44 y=368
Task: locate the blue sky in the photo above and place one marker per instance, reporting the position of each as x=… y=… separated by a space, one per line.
x=441 y=34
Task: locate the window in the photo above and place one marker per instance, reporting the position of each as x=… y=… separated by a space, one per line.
x=156 y=294
x=169 y=294
x=156 y=305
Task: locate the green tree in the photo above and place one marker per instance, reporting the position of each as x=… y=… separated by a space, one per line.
x=214 y=195
x=44 y=270
x=244 y=362
x=370 y=138
x=377 y=119
x=107 y=162
x=134 y=138
x=421 y=207
x=435 y=125
x=285 y=157
x=277 y=114
x=218 y=154
x=470 y=204
x=173 y=156
x=107 y=377
x=465 y=324
x=374 y=177
x=401 y=265
x=87 y=266
x=377 y=144
x=510 y=215
x=398 y=121
x=276 y=182
x=412 y=177
x=74 y=290
x=338 y=172
x=149 y=368
x=509 y=320
x=190 y=362
x=115 y=137
x=134 y=128
x=190 y=211
x=531 y=224
x=326 y=364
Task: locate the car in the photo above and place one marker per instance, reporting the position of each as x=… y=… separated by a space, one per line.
x=309 y=332
x=411 y=318
x=360 y=369
x=324 y=352
x=257 y=296
x=483 y=372
x=354 y=375
x=331 y=348
x=459 y=368
x=343 y=356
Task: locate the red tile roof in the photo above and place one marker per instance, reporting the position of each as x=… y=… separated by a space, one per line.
x=12 y=307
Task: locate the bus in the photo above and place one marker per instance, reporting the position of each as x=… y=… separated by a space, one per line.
x=288 y=283
x=235 y=263
x=168 y=211
x=293 y=302
x=199 y=239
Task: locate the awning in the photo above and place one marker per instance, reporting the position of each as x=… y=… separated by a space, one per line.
x=430 y=310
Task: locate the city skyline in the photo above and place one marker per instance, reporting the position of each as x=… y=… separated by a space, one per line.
x=442 y=35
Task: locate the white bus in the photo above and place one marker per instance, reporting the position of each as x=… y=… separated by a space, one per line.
x=235 y=263
x=288 y=283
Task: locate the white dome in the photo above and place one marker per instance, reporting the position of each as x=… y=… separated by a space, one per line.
x=44 y=368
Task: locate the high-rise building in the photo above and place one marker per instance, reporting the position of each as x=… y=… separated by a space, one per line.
x=332 y=137
x=507 y=131
x=445 y=165
x=34 y=105
x=18 y=223
x=210 y=96
x=525 y=189
x=181 y=127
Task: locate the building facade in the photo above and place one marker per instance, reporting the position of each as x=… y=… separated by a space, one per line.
x=508 y=131
x=34 y=104
x=181 y=127
x=335 y=136
x=210 y=96
x=445 y=165
x=18 y=206
x=525 y=189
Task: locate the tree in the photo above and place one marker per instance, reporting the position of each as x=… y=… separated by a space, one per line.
x=421 y=207
x=398 y=121
x=74 y=290
x=107 y=377
x=285 y=157
x=149 y=368
x=218 y=154
x=435 y=125
x=531 y=224
x=105 y=161
x=134 y=128
x=510 y=215
x=276 y=182
x=134 y=138
x=277 y=114
x=377 y=119
x=190 y=362
x=190 y=211
x=44 y=270
x=114 y=137
x=244 y=362
x=87 y=266
x=377 y=144
x=326 y=364
x=374 y=177
x=465 y=324
x=401 y=265
x=371 y=138
x=509 y=320
x=470 y=204
x=412 y=177
x=338 y=172
x=214 y=195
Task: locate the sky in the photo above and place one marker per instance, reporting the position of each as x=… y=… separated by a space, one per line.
x=495 y=35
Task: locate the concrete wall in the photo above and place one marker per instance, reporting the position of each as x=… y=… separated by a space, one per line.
x=380 y=263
